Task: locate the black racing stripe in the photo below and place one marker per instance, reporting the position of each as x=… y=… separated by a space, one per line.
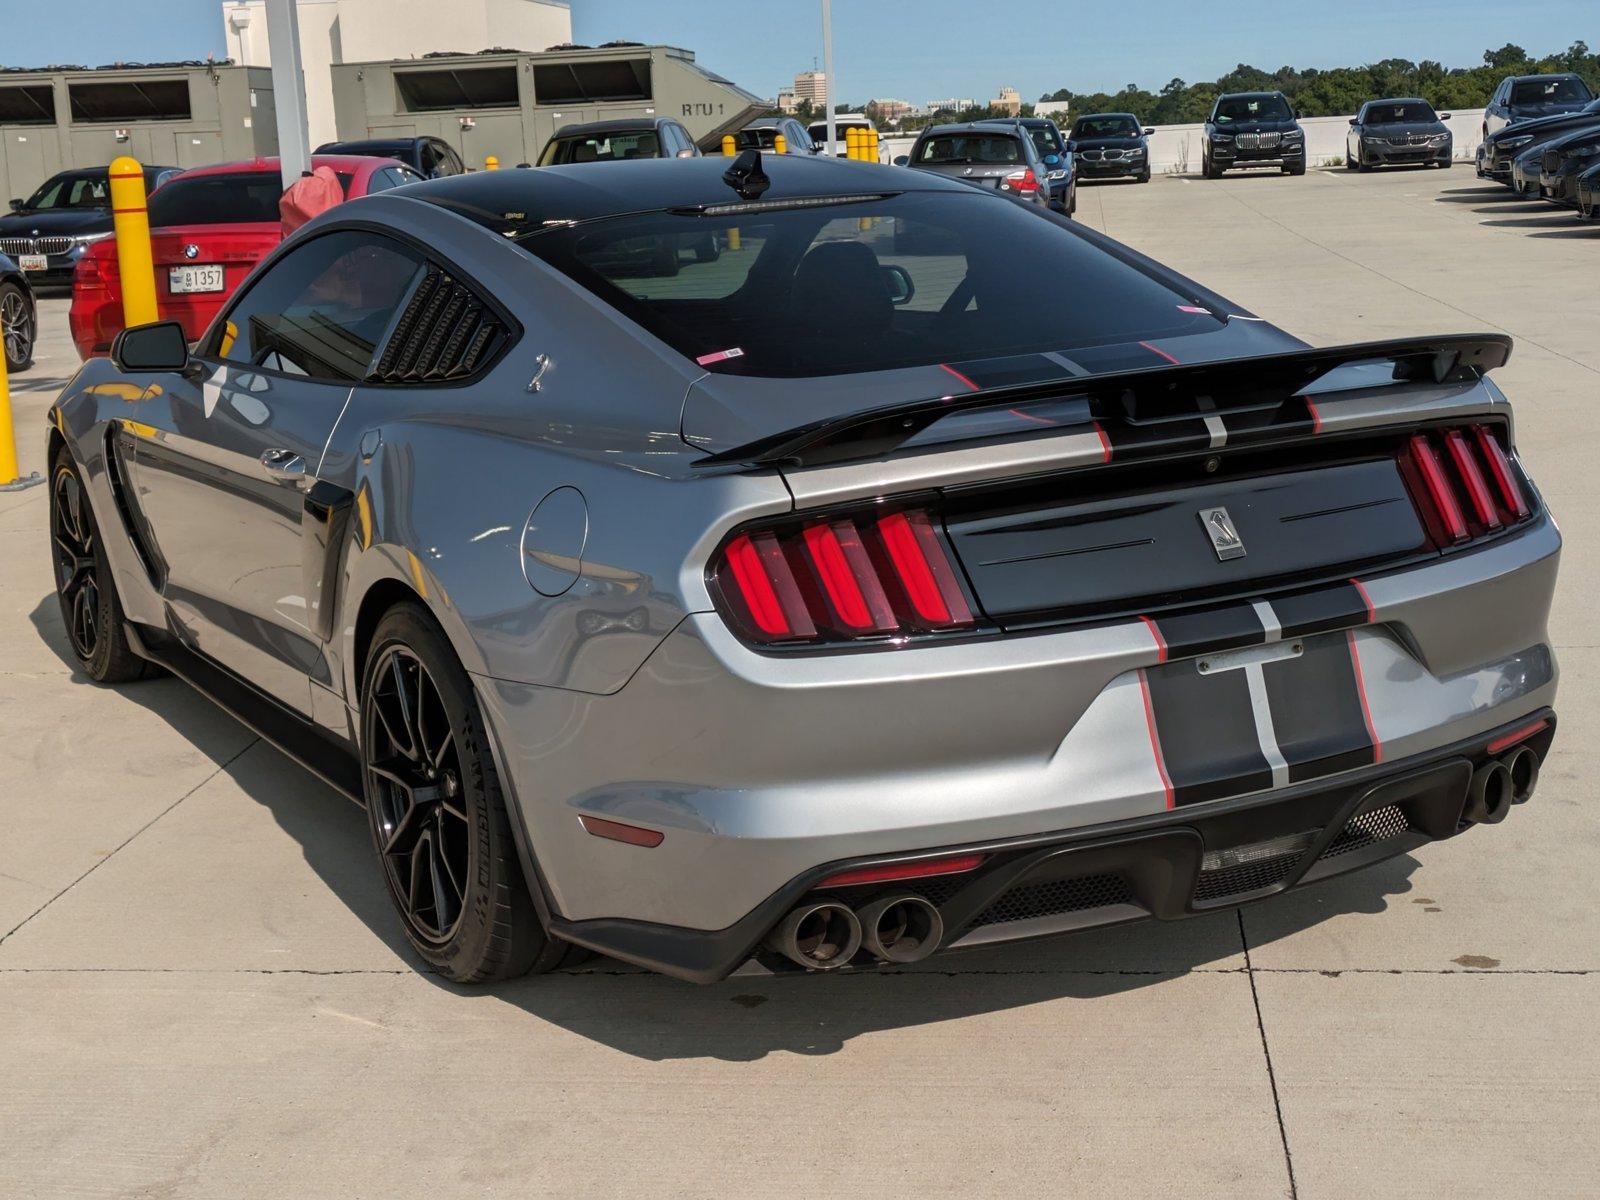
x=1008 y=372
x=1130 y=441
x=1207 y=731
x=1318 y=610
x=1317 y=713
x=1290 y=417
x=1208 y=629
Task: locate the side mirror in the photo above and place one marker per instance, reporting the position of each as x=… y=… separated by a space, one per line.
x=1444 y=116
x=159 y=346
x=898 y=280
x=1051 y=160
x=1355 y=120
x=1149 y=131
x=902 y=160
x=687 y=153
x=16 y=204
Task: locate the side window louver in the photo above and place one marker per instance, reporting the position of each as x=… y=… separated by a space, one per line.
x=445 y=333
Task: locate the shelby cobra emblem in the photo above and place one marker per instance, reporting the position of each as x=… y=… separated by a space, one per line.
x=1225 y=539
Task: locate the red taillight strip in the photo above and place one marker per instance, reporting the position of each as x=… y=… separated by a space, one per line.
x=924 y=571
x=1444 y=501
x=1505 y=479
x=768 y=587
x=1506 y=741
x=956 y=865
x=1477 y=490
x=848 y=578
x=616 y=831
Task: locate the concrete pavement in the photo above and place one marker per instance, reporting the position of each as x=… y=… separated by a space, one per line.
x=202 y=992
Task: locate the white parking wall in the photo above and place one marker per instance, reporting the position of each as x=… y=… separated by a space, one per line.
x=1175 y=149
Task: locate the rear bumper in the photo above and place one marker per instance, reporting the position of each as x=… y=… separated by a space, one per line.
x=1168 y=867
x=96 y=318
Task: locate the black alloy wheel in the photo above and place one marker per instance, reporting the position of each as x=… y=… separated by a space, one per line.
x=438 y=813
x=18 y=327
x=90 y=608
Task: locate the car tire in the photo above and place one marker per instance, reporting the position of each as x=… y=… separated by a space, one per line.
x=1209 y=169
x=20 y=323
x=1145 y=177
x=1296 y=168
x=90 y=607
x=1350 y=163
x=437 y=811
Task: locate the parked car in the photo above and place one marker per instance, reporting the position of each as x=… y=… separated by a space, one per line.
x=841 y=122
x=1500 y=148
x=725 y=619
x=1110 y=146
x=762 y=134
x=19 y=316
x=1388 y=133
x=1562 y=162
x=1588 y=193
x=1060 y=164
x=618 y=141
x=48 y=233
x=1002 y=158
x=1525 y=168
x=208 y=228
x=1252 y=129
x=429 y=157
x=1527 y=97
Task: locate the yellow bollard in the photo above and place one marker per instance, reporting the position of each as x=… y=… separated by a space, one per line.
x=780 y=144
x=852 y=143
x=872 y=142
x=134 y=260
x=491 y=163
x=8 y=434
x=730 y=145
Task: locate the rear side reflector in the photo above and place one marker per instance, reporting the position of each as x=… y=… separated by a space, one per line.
x=840 y=578
x=1463 y=483
x=616 y=831
x=1506 y=741
x=957 y=865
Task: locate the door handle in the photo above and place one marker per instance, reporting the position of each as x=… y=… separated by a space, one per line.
x=283 y=464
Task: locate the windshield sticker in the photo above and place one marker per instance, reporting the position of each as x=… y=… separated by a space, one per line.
x=705 y=360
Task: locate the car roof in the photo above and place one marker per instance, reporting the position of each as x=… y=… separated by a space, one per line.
x=987 y=126
x=617 y=125
x=1023 y=121
x=1247 y=95
x=523 y=201
x=375 y=143
x=269 y=166
x=1400 y=100
x=1129 y=116
x=1550 y=75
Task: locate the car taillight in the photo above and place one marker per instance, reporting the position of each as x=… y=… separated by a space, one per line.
x=1450 y=472
x=841 y=578
x=1024 y=180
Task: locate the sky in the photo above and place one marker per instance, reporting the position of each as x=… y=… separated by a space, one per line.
x=917 y=50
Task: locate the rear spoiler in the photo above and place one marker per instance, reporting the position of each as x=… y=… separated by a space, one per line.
x=1142 y=397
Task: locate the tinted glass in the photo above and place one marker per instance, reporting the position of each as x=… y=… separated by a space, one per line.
x=969 y=148
x=1400 y=114
x=321 y=310
x=614 y=147
x=761 y=138
x=806 y=295
x=1099 y=127
x=222 y=199
x=72 y=191
x=1044 y=138
x=1252 y=108
x=1549 y=91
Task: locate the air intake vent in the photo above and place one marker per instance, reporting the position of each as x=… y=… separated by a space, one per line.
x=445 y=333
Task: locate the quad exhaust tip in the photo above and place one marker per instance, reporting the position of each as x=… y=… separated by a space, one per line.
x=1490 y=793
x=901 y=929
x=1523 y=763
x=820 y=936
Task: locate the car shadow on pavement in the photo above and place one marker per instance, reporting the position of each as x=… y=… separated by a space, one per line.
x=746 y=1018
x=1472 y=195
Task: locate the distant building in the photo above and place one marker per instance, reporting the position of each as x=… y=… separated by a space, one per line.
x=957 y=105
x=812 y=87
x=340 y=31
x=1009 y=102
x=888 y=112
x=786 y=101
x=1052 y=108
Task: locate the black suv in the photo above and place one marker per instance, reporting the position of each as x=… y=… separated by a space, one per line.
x=430 y=157
x=1502 y=147
x=49 y=231
x=1000 y=156
x=1388 y=132
x=1110 y=145
x=1252 y=129
x=618 y=141
x=1527 y=97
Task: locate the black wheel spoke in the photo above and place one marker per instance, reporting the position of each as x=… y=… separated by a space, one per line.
x=77 y=574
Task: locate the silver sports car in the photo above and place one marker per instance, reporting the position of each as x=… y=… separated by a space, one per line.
x=917 y=571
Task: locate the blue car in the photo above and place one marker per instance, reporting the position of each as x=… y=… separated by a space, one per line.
x=1059 y=161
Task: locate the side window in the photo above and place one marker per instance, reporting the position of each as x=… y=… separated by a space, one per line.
x=448 y=161
x=428 y=159
x=321 y=310
x=405 y=175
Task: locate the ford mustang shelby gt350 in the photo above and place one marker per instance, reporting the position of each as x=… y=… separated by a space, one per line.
x=920 y=571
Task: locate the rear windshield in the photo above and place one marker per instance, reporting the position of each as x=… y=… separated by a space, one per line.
x=1252 y=108
x=1401 y=114
x=947 y=149
x=867 y=284
x=763 y=137
x=1549 y=91
x=221 y=199
x=1099 y=127
x=614 y=147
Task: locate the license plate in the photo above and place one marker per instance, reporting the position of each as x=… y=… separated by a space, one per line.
x=204 y=277
x=33 y=262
